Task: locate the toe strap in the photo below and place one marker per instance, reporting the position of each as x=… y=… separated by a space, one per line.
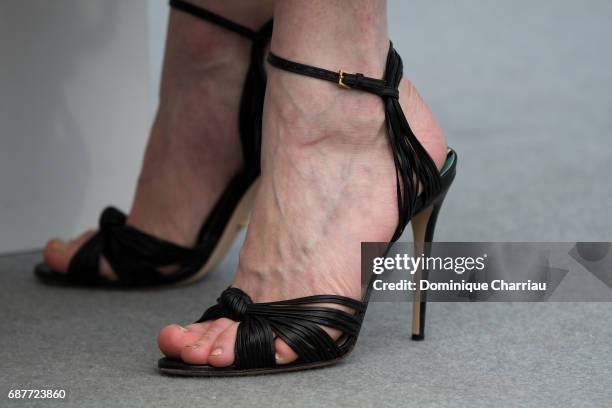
x=135 y=256
x=297 y=322
x=254 y=343
x=84 y=265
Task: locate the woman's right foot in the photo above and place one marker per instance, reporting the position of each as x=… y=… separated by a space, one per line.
x=328 y=183
x=194 y=147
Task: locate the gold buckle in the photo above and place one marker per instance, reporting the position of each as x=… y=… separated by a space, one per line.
x=341 y=83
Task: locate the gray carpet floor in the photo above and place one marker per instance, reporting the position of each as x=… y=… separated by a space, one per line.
x=100 y=346
x=524 y=92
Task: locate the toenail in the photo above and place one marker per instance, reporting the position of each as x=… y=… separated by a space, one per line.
x=279 y=359
x=217 y=352
x=58 y=245
x=194 y=345
x=195 y=328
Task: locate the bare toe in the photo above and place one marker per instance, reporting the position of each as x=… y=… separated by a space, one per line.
x=173 y=338
x=198 y=351
x=284 y=353
x=222 y=353
x=58 y=253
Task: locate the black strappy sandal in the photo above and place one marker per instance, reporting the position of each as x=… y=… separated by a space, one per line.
x=136 y=256
x=298 y=321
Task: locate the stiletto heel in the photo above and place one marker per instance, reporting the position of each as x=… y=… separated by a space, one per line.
x=137 y=257
x=423 y=228
x=298 y=322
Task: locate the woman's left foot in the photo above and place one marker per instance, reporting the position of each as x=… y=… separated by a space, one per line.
x=328 y=183
x=194 y=148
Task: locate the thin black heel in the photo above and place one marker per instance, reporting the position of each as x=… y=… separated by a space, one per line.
x=423 y=228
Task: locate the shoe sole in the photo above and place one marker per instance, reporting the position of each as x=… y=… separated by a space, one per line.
x=170 y=367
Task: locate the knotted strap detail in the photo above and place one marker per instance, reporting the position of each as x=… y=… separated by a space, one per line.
x=135 y=256
x=235 y=303
x=414 y=167
x=297 y=322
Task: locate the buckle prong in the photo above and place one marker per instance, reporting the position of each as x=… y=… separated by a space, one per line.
x=341 y=83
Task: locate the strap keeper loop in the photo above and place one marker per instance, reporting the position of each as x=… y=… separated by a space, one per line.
x=341 y=83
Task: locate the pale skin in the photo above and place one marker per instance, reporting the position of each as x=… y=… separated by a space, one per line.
x=328 y=180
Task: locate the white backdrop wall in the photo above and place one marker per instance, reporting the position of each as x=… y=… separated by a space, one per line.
x=75 y=107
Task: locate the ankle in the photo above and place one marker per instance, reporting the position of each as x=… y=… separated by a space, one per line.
x=199 y=45
x=309 y=112
x=196 y=50
x=355 y=38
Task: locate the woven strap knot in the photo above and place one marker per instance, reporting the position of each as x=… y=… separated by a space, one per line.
x=109 y=220
x=235 y=303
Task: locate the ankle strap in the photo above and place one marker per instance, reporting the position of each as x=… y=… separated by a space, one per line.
x=214 y=18
x=341 y=78
x=415 y=170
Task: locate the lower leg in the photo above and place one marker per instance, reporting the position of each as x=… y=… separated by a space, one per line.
x=194 y=147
